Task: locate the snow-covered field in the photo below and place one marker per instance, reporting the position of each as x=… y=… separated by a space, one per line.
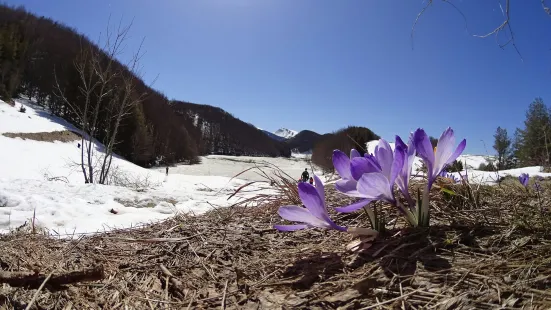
x=230 y=166
x=41 y=181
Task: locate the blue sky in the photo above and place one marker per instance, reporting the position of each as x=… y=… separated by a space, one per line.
x=325 y=64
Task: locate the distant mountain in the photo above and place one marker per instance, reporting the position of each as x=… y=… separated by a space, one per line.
x=304 y=141
x=273 y=136
x=286 y=133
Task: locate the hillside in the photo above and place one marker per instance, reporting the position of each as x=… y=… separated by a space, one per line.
x=218 y=132
x=272 y=135
x=343 y=139
x=304 y=141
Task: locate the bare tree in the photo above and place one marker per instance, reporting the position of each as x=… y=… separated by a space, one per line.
x=106 y=95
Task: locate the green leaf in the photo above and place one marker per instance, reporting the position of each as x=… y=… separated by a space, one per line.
x=448 y=191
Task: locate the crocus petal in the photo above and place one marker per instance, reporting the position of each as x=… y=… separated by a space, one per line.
x=361 y=165
x=444 y=150
x=401 y=143
x=397 y=164
x=319 y=187
x=347 y=187
x=354 y=153
x=383 y=153
x=290 y=227
x=312 y=201
x=375 y=186
x=341 y=162
x=460 y=148
x=424 y=148
x=301 y=215
x=355 y=206
x=403 y=178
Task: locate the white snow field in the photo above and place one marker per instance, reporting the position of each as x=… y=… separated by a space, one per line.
x=40 y=180
x=230 y=166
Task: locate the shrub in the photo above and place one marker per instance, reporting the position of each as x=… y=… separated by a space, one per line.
x=456 y=166
x=487 y=166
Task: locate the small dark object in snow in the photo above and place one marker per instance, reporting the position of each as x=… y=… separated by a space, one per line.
x=78 y=145
x=114 y=211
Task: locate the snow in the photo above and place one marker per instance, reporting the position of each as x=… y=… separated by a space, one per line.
x=285 y=133
x=230 y=166
x=42 y=179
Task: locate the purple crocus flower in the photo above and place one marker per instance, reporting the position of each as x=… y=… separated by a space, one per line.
x=350 y=170
x=379 y=185
x=452 y=177
x=342 y=164
x=523 y=179
x=403 y=178
x=315 y=212
x=447 y=175
x=444 y=155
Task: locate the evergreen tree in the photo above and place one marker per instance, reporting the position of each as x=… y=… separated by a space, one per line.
x=502 y=145
x=532 y=143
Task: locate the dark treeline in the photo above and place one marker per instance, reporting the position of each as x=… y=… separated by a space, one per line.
x=221 y=133
x=344 y=140
x=38 y=58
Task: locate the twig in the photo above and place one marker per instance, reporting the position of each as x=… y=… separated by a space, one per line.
x=389 y=301
x=33 y=280
x=153 y=240
x=33 y=300
x=223 y=306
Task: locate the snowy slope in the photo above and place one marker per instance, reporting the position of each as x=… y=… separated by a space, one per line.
x=41 y=178
x=273 y=136
x=285 y=133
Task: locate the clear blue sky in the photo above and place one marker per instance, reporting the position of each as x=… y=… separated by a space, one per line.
x=326 y=64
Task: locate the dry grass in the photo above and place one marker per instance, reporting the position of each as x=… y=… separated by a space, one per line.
x=488 y=248
x=62 y=136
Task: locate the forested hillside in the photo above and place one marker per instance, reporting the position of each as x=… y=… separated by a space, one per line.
x=58 y=67
x=223 y=134
x=344 y=139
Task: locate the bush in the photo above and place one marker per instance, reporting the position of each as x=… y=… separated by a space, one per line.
x=456 y=166
x=22 y=109
x=487 y=167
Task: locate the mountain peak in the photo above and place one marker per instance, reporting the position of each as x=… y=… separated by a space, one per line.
x=285 y=133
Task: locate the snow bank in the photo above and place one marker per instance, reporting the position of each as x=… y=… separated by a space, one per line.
x=44 y=179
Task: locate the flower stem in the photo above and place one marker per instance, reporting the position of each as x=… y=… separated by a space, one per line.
x=424 y=217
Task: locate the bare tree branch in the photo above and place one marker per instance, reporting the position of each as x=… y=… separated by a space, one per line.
x=505 y=25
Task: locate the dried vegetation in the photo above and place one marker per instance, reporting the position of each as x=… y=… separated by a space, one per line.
x=488 y=248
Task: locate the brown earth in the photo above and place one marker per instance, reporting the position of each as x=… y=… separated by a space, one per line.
x=62 y=136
